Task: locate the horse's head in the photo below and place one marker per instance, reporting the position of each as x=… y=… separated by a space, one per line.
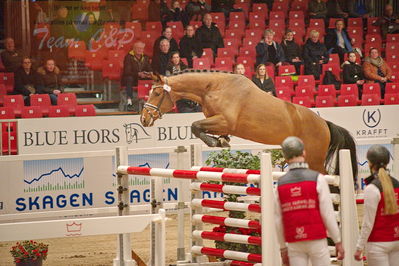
x=158 y=103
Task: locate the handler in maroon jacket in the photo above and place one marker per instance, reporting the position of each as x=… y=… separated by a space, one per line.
x=304 y=211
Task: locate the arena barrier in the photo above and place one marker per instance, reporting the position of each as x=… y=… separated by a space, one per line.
x=270 y=250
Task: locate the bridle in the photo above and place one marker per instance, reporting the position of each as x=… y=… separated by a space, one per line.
x=154 y=110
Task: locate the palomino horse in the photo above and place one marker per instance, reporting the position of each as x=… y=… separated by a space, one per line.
x=234 y=105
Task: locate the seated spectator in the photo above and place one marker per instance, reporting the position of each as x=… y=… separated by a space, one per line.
x=239 y=69
x=166 y=34
x=352 y=72
x=135 y=67
x=292 y=51
x=208 y=35
x=375 y=69
x=268 y=51
x=161 y=60
x=175 y=65
x=225 y=6
x=338 y=41
x=358 y=8
x=334 y=10
x=25 y=80
x=196 y=9
x=11 y=57
x=154 y=10
x=189 y=47
x=317 y=9
x=389 y=22
x=176 y=13
x=49 y=80
x=89 y=29
x=314 y=55
x=263 y=81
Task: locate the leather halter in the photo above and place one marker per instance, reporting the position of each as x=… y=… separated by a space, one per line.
x=151 y=107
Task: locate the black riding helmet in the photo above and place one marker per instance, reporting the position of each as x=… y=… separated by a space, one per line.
x=378 y=155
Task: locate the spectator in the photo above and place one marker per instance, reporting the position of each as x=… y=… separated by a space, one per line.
x=208 y=35
x=268 y=51
x=175 y=66
x=352 y=72
x=166 y=35
x=11 y=57
x=89 y=28
x=161 y=60
x=334 y=10
x=358 y=8
x=379 y=234
x=49 y=80
x=263 y=81
x=375 y=69
x=314 y=55
x=154 y=10
x=389 y=22
x=135 y=67
x=338 y=41
x=196 y=9
x=292 y=51
x=317 y=9
x=176 y=13
x=225 y=6
x=239 y=69
x=25 y=80
x=304 y=211
x=189 y=47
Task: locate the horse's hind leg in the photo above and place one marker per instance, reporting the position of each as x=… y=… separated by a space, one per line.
x=215 y=125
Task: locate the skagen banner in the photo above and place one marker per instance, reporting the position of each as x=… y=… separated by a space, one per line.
x=37 y=136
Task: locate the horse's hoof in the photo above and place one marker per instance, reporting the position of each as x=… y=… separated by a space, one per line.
x=212 y=142
x=224 y=142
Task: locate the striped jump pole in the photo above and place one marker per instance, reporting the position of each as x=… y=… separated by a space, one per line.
x=189 y=174
x=233 y=222
x=243 y=263
x=239 y=190
x=226 y=205
x=234 y=238
x=227 y=254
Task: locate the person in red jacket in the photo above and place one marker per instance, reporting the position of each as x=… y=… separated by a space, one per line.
x=380 y=228
x=304 y=211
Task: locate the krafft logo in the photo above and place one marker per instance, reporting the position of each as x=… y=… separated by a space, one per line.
x=371 y=118
x=133 y=132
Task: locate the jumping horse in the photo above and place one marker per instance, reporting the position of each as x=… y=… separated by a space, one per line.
x=234 y=105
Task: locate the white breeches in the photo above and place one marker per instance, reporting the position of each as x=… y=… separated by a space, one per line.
x=382 y=253
x=303 y=252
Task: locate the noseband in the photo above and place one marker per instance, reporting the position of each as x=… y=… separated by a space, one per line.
x=151 y=107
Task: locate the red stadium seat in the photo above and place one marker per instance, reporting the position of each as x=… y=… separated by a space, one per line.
x=371 y=99
x=392 y=38
x=260 y=7
x=327 y=90
x=302 y=100
x=232 y=43
x=325 y=101
x=347 y=100
x=333 y=59
x=393 y=64
x=201 y=63
x=143 y=88
x=58 y=111
x=277 y=15
x=135 y=27
x=372 y=88
x=139 y=11
x=306 y=80
x=250 y=41
x=7 y=79
x=85 y=110
x=244 y=6
x=299 y=5
x=111 y=70
x=224 y=63
x=246 y=60
x=153 y=26
x=350 y=89
x=391 y=98
x=177 y=29
x=284 y=81
x=42 y=100
x=77 y=50
x=306 y=91
x=94 y=60
x=69 y=100
x=31 y=112
x=392 y=88
x=332 y=21
x=316 y=23
x=219 y=19
x=334 y=68
x=247 y=51
x=285 y=92
x=236 y=17
x=208 y=53
x=286 y=70
x=257 y=23
x=254 y=33
x=16 y=102
x=296 y=14
x=7 y=112
x=395 y=76
x=227 y=52
x=233 y=33
x=355 y=23
x=257 y=15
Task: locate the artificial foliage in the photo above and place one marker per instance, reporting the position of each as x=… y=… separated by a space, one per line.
x=239 y=160
x=29 y=250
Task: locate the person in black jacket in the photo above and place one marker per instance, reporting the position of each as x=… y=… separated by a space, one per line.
x=189 y=47
x=269 y=51
x=352 y=72
x=263 y=81
x=338 y=40
x=166 y=35
x=292 y=51
x=314 y=55
x=49 y=80
x=11 y=57
x=208 y=35
x=25 y=80
x=135 y=67
x=160 y=62
x=334 y=9
x=196 y=9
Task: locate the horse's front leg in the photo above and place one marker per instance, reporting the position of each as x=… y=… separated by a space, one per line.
x=215 y=125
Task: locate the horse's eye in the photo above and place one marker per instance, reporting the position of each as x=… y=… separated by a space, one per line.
x=156 y=93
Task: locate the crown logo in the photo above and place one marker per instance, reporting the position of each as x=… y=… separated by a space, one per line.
x=300 y=233
x=296 y=191
x=74 y=227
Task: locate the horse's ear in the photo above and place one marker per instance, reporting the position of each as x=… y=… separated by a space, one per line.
x=156 y=77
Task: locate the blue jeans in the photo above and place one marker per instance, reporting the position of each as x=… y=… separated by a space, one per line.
x=53 y=98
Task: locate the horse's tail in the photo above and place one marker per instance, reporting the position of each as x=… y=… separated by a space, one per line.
x=341 y=139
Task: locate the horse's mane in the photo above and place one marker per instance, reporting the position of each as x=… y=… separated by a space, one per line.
x=200 y=71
